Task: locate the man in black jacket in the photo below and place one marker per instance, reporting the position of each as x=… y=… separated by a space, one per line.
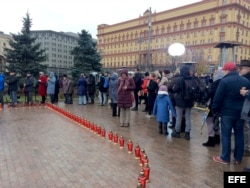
x=138 y=81
x=13 y=87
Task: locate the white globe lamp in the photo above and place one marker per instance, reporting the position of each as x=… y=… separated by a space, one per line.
x=176 y=49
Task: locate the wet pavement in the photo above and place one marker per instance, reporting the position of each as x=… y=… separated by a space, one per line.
x=42 y=148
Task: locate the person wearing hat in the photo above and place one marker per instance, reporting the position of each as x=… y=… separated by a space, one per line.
x=126 y=86
x=244 y=70
x=161 y=109
x=12 y=83
x=227 y=103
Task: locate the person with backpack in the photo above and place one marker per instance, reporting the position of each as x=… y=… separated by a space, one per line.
x=138 y=81
x=184 y=99
x=12 y=82
x=2 y=82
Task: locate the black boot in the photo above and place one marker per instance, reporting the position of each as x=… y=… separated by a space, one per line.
x=160 y=128
x=114 y=109
x=176 y=134
x=166 y=130
x=210 y=142
x=217 y=139
x=187 y=135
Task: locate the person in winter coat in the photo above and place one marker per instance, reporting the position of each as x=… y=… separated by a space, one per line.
x=51 y=84
x=68 y=89
x=228 y=104
x=29 y=88
x=170 y=86
x=91 y=88
x=244 y=70
x=164 y=79
x=138 y=81
x=145 y=90
x=113 y=86
x=2 y=83
x=57 y=89
x=152 y=93
x=12 y=82
x=161 y=109
x=82 y=90
x=213 y=137
x=42 y=86
x=125 y=90
x=102 y=90
x=182 y=103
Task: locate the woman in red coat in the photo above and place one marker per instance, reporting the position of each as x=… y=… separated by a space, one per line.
x=125 y=91
x=42 y=88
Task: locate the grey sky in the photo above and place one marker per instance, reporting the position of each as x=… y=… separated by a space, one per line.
x=75 y=15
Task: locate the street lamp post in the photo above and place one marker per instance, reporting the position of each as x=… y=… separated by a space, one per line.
x=175 y=50
x=149 y=37
x=139 y=41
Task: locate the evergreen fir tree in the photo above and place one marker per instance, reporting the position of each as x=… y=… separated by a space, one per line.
x=25 y=54
x=86 y=57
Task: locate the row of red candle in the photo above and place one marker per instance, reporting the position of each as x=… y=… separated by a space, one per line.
x=112 y=137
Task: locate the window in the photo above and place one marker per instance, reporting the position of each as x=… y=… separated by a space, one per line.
x=188 y=25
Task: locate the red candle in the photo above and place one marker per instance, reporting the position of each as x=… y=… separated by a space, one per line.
x=99 y=130
x=121 y=141
x=142 y=179
x=110 y=135
x=115 y=138
x=103 y=133
x=141 y=156
x=146 y=171
x=137 y=151
x=144 y=159
x=130 y=146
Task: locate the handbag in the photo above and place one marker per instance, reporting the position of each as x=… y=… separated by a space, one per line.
x=245 y=113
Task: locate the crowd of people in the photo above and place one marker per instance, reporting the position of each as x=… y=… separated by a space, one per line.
x=169 y=97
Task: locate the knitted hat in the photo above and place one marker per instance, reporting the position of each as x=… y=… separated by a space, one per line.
x=163 y=88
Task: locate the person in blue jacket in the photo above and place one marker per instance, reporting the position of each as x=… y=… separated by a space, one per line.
x=161 y=109
x=227 y=103
x=82 y=90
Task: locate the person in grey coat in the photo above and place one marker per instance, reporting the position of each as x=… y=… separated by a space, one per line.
x=29 y=88
x=51 y=83
x=113 y=92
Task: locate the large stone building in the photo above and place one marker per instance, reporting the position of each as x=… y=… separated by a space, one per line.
x=58 y=47
x=144 y=41
x=4 y=43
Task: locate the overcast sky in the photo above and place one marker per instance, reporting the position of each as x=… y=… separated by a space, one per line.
x=75 y=15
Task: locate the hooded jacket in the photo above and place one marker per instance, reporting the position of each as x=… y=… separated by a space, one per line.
x=179 y=88
x=51 y=84
x=113 y=86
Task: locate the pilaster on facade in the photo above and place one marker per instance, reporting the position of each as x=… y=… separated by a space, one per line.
x=199 y=26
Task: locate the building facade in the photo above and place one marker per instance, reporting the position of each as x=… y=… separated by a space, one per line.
x=143 y=42
x=58 y=47
x=4 y=43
